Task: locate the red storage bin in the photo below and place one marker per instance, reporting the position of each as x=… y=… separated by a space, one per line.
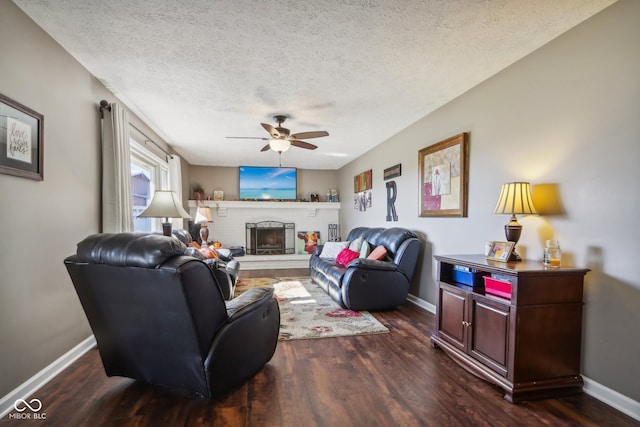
x=501 y=288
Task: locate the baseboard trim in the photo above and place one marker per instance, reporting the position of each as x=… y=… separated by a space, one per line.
x=616 y=400
x=34 y=383
x=422 y=303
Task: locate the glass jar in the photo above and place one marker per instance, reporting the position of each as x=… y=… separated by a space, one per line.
x=552 y=253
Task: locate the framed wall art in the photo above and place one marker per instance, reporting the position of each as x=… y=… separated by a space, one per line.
x=308 y=241
x=392 y=172
x=362 y=182
x=21 y=140
x=444 y=177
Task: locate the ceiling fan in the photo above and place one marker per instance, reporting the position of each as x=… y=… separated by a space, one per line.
x=280 y=139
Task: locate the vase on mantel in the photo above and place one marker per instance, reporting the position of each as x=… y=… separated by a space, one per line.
x=198 y=192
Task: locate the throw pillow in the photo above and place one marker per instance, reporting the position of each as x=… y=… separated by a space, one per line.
x=365 y=249
x=356 y=245
x=208 y=252
x=346 y=256
x=379 y=253
x=331 y=250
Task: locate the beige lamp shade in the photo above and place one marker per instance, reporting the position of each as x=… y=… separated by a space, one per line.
x=515 y=198
x=165 y=204
x=203 y=214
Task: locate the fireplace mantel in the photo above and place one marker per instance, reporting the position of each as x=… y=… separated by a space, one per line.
x=229 y=217
x=241 y=204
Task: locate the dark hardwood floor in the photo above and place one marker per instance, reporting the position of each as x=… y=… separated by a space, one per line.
x=394 y=379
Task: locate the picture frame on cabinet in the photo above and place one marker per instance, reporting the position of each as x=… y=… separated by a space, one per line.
x=500 y=251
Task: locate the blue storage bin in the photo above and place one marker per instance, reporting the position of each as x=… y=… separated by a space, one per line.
x=469 y=278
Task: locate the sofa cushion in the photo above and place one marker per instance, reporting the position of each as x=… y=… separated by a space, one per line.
x=365 y=250
x=379 y=253
x=331 y=250
x=346 y=256
x=356 y=244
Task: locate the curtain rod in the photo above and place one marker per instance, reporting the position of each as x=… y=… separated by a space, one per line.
x=152 y=141
x=105 y=105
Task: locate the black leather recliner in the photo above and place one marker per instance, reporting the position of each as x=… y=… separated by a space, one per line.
x=159 y=316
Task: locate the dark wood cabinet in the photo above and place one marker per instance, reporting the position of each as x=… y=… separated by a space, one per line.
x=529 y=344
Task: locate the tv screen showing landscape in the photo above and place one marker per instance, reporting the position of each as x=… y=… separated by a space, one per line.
x=268 y=183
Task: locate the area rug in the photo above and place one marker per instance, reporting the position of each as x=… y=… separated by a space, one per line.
x=307 y=312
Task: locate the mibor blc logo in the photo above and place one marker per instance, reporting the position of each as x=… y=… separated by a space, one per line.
x=28 y=410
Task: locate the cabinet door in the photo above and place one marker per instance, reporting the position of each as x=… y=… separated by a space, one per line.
x=489 y=332
x=452 y=316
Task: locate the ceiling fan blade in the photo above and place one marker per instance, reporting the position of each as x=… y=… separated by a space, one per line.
x=266 y=148
x=307 y=135
x=246 y=137
x=272 y=131
x=302 y=144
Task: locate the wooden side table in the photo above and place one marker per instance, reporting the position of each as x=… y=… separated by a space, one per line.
x=528 y=344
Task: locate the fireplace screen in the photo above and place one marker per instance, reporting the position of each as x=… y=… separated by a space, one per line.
x=270 y=238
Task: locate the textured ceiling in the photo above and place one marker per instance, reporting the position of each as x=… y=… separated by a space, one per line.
x=197 y=71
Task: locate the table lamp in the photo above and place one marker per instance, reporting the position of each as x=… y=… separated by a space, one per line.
x=515 y=198
x=203 y=216
x=165 y=204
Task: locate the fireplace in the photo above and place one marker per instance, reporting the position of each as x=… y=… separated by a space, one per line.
x=270 y=238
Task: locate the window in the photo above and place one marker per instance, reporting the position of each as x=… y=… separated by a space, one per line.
x=148 y=174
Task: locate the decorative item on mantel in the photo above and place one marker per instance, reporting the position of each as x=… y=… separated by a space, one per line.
x=515 y=198
x=198 y=192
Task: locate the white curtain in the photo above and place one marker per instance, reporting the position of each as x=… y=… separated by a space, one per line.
x=117 y=215
x=175 y=184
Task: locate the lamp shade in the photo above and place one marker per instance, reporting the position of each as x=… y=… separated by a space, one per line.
x=515 y=198
x=279 y=145
x=165 y=204
x=203 y=214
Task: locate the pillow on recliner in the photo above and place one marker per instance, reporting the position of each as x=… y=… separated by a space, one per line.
x=331 y=250
x=346 y=256
x=194 y=252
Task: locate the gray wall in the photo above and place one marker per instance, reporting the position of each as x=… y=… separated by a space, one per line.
x=569 y=115
x=41 y=221
x=226 y=178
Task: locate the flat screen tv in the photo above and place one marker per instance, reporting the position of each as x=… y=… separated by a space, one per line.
x=268 y=183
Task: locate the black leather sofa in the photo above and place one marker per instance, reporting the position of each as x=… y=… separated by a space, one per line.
x=159 y=315
x=366 y=284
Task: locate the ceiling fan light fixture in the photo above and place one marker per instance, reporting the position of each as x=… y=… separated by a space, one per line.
x=279 y=145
